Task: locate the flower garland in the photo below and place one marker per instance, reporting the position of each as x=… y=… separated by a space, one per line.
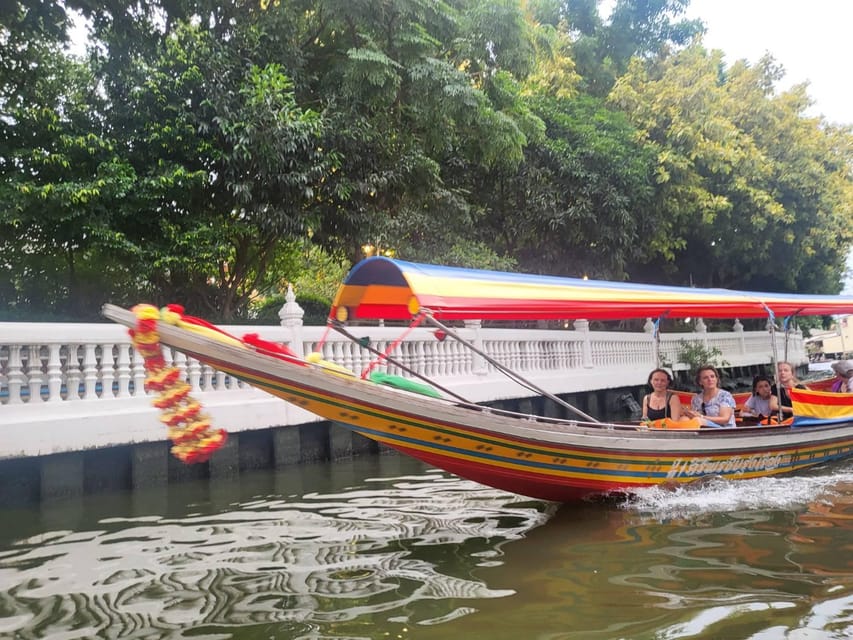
x=189 y=429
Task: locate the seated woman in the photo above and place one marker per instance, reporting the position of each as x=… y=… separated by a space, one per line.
x=787 y=380
x=844 y=376
x=661 y=402
x=760 y=402
x=713 y=406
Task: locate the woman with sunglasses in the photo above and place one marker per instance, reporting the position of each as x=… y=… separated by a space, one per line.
x=713 y=406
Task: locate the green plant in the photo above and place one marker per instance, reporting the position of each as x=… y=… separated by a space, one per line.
x=694 y=354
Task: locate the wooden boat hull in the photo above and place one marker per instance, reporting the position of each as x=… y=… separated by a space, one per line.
x=544 y=458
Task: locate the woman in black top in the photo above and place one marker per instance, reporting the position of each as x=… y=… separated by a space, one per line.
x=787 y=380
x=661 y=403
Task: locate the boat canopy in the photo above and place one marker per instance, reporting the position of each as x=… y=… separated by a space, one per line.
x=383 y=288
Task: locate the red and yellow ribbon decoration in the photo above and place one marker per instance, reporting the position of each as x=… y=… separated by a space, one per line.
x=189 y=429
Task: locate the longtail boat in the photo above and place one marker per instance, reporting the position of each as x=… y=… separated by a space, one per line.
x=547 y=458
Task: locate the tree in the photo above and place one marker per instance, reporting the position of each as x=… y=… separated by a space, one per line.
x=604 y=48
x=60 y=175
x=735 y=165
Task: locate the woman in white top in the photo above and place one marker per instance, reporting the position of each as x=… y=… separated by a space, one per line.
x=760 y=402
x=713 y=406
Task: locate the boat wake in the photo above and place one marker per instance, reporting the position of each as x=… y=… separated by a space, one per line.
x=718 y=495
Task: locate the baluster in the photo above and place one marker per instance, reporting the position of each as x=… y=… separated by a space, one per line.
x=439 y=351
x=436 y=351
x=468 y=357
x=54 y=374
x=207 y=377
x=411 y=352
x=366 y=357
x=220 y=380
x=90 y=372
x=450 y=357
x=348 y=352
x=338 y=355
x=464 y=360
x=194 y=374
x=180 y=360
x=381 y=346
x=138 y=373
x=419 y=359
x=447 y=356
x=123 y=370
x=107 y=371
x=34 y=372
x=16 y=374
x=72 y=374
x=360 y=358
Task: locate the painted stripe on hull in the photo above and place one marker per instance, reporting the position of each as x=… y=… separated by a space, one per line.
x=554 y=472
x=557 y=489
x=491 y=446
x=330 y=406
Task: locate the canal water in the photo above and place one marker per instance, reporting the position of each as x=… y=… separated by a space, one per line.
x=387 y=548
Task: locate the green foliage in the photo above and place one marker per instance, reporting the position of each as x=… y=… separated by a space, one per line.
x=203 y=149
x=642 y=30
x=581 y=199
x=695 y=354
x=733 y=165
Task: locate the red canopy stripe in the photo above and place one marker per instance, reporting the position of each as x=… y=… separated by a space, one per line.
x=384 y=288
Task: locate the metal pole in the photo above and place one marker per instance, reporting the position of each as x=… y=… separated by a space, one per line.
x=509 y=373
x=337 y=327
x=771 y=321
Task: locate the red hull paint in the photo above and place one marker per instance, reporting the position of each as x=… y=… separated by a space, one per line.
x=532 y=485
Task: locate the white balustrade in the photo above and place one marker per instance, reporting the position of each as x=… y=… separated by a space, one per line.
x=91 y=372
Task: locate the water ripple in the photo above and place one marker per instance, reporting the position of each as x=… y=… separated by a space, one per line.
x=303 y=565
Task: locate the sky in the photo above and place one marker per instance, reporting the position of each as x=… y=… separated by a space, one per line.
x=811 y=40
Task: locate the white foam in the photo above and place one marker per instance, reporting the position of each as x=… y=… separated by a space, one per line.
x=722 y=496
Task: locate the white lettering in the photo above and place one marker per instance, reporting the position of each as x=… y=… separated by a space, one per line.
x=733 y=465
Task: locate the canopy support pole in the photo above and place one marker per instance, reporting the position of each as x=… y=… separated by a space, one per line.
x=385 y=357
x=656 y=335
x=774 y=355
x=512 y=375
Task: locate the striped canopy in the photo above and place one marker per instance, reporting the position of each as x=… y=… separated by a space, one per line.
x=396 y=290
